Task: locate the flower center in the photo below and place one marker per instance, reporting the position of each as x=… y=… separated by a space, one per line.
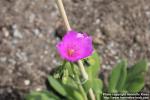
x=70 y=52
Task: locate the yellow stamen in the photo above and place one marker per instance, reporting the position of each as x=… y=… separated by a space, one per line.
x=70 y=52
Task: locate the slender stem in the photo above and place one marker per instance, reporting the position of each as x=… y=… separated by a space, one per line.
x=92 y=94
x=78 y=82
x=63 y=13
x=85 y=76
x=82 y=69
x=83 y=72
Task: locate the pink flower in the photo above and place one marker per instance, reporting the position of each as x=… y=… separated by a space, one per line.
x=75 y=46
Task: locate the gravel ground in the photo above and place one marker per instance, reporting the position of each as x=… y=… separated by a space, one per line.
x=30 y=29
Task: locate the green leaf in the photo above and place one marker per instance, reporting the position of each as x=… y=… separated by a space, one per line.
x=33 y=96
x=137 y=69
x=60 y=70
x=94 y=65
x=136 y=84
x=89 y=72
x=69 y=68
x=97 y=85
x=71 y=82
x=50 y=94
x=118 y=77
x=43 y=95
x=73 y=93
x=93 y=70
x=87 y=85
x=77 y=96
x=135 y=76
x=97 y=88
x=69 y=77
x=57 y=86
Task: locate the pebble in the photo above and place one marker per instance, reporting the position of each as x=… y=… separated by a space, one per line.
x=5 y=31
x=113 y=52
x=149 y=64
x=116 y=57
x=16 y=32
x=3 y=59
x=31 y=18
x=9 y=90
x=36 y=32
x=45 y=52
x=38 y=89
x=41 y=57
x=97 y=21
x=27 y=82
x=22 y=56
x=12 y=61
x=130 y=52
x=106 y=67
x=148 y=13
x=110 y=45
x=40 y=36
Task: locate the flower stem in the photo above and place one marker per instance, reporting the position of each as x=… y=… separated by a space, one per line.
x=79 y=82
x=82 y=69
x=85 y=76
x=92 y=94
x=83 y=72
x=63 y=13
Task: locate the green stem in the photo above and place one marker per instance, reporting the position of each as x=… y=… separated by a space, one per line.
x=61 y=68
x=85 y=76
x=82 y=69
x=79 y=82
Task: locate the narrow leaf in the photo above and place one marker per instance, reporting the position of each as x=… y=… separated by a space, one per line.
x=135 y=76
x=137 y=69
x=135 y=85
x=43 y=95
x=118 y=77
x=57 y=86
x=93 y=65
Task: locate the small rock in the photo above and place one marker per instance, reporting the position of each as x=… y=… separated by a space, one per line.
x=148 y=64
x=45 y=52
x=54 y=61
x=97 y=21
x=31 y=18
x=36 y=32
x=106 y=67
x=3 y=59
x=22 y=56
x=40 y=36
x=113 y=51
x=26 y=82
x=41 y=57
x=12 y=61
x=110 y=45
x=38 y=89
x=9 y=90
x=116 y=57
x=16 y=32
x=14 y=42
x=147 y=13
x=6 y=32
x=131 y=53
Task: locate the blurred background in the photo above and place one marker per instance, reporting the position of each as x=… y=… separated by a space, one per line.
x=30 y=29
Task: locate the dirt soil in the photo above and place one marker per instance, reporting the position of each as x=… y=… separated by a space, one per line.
x=30 y=29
